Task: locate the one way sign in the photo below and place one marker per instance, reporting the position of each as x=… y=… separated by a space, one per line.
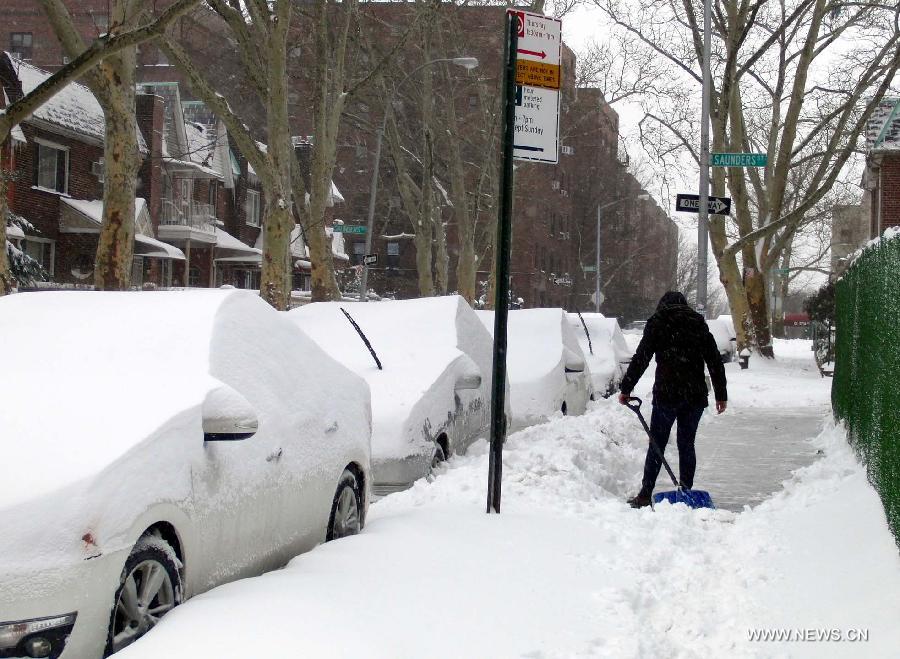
x=690 y=203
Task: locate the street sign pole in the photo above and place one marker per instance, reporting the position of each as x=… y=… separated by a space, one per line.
x=703 y=220
x=501 y=287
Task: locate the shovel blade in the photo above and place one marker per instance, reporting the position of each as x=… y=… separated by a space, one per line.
x=691 y=498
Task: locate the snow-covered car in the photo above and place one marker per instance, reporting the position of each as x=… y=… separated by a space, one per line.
x=431 y=391
x=155 y=445
x=546 y=368
x=604 y=349
x=722 y=330
x=636 y=326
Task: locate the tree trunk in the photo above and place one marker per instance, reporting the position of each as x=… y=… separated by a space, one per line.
x=6 y=282
x=328 y=105
x=441 y=257
x=275 y=278
x=121 y=158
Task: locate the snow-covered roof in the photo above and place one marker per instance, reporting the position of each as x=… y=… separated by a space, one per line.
x=203 y=151
x=883 y=127
x=13 y=232
x=91 y=211
x=16 y=133
x=93 y=208
x=74 y=107
x=227 y=246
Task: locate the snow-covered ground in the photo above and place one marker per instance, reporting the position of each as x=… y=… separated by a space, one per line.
x=569 y=570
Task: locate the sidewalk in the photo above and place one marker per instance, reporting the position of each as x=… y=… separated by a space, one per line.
x=569 y=570
x=774 y=410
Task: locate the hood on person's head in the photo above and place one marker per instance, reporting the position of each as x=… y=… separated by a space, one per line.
x=671 y=299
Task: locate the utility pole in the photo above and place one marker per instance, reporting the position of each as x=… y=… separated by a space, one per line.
x=703 y=219
x=501 y=294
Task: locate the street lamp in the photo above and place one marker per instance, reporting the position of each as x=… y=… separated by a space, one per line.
x=642 y=196
x=467 y=63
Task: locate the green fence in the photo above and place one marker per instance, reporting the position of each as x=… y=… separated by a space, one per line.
x=866 y=389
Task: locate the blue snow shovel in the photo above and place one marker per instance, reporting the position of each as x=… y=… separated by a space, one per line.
x=693 y=498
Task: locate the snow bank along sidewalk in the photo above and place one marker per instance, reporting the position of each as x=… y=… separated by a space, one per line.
x=568 y=569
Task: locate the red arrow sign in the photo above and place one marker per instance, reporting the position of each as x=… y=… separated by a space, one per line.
x=541 y=54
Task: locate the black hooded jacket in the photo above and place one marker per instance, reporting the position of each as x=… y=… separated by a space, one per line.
x=682 y=343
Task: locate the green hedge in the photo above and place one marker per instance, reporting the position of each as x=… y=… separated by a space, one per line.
x=866 y=388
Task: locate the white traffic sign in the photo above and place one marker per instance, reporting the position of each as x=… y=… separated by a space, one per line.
x=537 y=124
x=537 y=103
x=537 y=55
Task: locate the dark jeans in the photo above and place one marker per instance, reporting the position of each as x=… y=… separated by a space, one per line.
x=688 y=417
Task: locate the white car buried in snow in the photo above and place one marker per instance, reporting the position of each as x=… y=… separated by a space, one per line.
x=156 y=445
x=546 y=368
x=431 y=393
x=604 y=348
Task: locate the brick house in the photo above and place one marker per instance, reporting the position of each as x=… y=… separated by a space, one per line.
x=882 y=176
x=57 y=160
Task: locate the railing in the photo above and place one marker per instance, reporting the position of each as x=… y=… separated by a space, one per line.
x=198 y=216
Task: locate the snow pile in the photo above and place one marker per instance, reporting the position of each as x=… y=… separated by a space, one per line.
x=541 y=347
x=568 y=569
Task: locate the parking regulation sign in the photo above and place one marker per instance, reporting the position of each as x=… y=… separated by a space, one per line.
x=538 y=76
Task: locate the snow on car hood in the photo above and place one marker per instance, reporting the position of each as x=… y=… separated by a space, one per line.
x=540 y=346
x=89 y=375
x=424 y=346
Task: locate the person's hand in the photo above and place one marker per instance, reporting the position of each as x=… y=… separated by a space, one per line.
x=623 y=399
x=721 y=405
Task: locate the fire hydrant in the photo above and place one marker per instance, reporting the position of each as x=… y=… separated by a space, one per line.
x=744 y=358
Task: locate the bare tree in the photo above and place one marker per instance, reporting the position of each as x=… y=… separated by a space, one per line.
x=105 y=46
x=796 y=80
x=260 y=31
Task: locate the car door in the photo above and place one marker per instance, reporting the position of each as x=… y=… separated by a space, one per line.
x=238 y=494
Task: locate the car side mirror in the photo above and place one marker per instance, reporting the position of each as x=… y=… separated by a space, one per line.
x=573 y=362
x=228 y=416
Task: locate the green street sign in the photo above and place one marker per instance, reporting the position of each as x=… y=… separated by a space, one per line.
x=349 y=228
x=739 y=160
x=589 y=268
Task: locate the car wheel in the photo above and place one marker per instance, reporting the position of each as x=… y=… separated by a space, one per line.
x=440 y=455
x=149 y=588
x=564 y=409
x=345 y=509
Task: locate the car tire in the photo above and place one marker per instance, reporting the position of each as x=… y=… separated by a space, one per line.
x=151 y=570
x=346 y=507
x=439 y=457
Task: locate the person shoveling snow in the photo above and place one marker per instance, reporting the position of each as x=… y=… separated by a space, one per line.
x=682 y=343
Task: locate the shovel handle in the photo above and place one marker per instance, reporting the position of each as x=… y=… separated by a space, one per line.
x=634 y=404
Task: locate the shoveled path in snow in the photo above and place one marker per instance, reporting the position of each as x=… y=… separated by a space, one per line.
x=745 y=454
x=568 y=569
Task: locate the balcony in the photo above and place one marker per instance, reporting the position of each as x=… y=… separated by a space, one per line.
x=193 y=221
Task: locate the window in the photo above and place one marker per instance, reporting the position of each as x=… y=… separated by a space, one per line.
x=473 y=101
x=101 y=23
x=252 y=208
x=212 y=196
x=359 y=250
x=393 y=255
x=52 y=167
x=42 y=251
x=20 y=44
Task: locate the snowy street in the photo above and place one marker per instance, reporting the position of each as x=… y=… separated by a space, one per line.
x=569 y=570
